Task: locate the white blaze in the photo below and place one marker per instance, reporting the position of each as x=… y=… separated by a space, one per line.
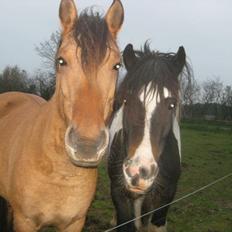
x=145 y=148
x=176 y=132
x=116 y=124
x=167 y=93
x=175 y=128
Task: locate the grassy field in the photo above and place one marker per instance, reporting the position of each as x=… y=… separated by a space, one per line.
x=206 y=156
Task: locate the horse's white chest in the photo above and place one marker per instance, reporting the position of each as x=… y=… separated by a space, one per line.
x=138 y=210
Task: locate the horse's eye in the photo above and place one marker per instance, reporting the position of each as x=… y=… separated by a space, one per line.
x=172 y=106
x=61 y=61
x=117 y=66
x=171 y=103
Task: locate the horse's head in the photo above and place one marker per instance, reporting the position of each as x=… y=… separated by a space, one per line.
x=149 y=97
x=87 y=64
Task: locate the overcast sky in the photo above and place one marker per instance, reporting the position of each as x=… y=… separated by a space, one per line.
x=203 y=27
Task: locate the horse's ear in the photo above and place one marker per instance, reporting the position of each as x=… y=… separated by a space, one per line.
x=114 y=17
x=180 y=58
x=68 y=15
x=129 y=57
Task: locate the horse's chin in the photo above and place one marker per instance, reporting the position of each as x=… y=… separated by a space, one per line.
x=142 y=187
x=137 y=190
x=86 y=164
x=83 y=162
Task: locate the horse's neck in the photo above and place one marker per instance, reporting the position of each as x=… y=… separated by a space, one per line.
x=49 y=131
x=53 y=122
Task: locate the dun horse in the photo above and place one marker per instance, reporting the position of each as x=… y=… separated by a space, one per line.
x=144 y=161
x=49 y=151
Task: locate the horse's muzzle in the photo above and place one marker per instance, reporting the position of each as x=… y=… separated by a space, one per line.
x=85 y=152
x=139 y=175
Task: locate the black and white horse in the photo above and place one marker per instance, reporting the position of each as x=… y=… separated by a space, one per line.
x=144 y=161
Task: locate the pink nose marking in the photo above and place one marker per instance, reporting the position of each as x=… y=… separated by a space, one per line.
x=144 y=169
x=133 y=170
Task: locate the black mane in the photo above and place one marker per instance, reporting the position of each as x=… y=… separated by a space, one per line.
x=152 y=67
x=93 y=37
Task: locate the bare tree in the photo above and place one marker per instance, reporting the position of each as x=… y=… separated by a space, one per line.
x=226 y=103
x=45 y=79
x=212 y=91
x=227 y=96
x=13 y=79
x=190 y=91
x=47 y=51
x=45 y=84
x=212 y=97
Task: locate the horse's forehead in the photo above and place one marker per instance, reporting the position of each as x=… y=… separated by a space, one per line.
x=150 y=99
x=68 y=44
x=113 y=50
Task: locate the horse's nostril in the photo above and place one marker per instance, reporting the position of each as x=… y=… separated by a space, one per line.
x=72 y=137
x=153 y=170
x=143 y=172
x=147 y=173
x=135 y=180
x=128 y=172
x=127 y=162
x=103 y=140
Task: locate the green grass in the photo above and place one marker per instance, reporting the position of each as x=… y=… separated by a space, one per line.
x=206 y=156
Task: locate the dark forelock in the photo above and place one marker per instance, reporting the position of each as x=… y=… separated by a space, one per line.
x=155 y=68
x=93 y=37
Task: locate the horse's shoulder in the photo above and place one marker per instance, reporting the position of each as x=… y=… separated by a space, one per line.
x=36 y=99
x=11 y=101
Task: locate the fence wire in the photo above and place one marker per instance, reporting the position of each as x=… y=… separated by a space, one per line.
x=173 y=202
